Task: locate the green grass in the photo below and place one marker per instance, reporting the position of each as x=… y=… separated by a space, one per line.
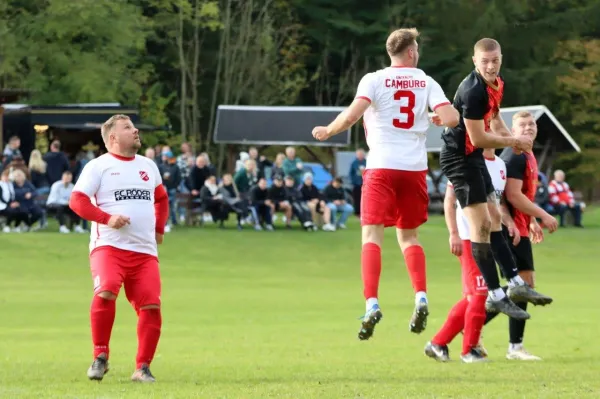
x=257 y=314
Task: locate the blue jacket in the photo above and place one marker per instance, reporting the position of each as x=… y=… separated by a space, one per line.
x=355 y=176
x=20 y=195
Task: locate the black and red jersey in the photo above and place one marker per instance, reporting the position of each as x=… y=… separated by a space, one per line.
x=523 y=167
x=475 y=99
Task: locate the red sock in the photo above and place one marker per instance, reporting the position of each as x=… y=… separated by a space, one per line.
x=474 y=320
x=102 y=317
x=371 y=269
x=414 y=257
x=454 y=324
x=148 y=331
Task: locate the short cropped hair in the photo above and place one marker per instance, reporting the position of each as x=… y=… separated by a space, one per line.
x=109 y=125
x=401 y=39
x=486 y=44
x=522 y=114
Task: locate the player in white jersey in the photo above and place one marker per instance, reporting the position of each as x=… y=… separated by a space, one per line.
x=122 y=194
x=394 y=102
x=469 y=313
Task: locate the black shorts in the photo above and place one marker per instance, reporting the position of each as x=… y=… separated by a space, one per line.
x=523 y=252
x=469 y=177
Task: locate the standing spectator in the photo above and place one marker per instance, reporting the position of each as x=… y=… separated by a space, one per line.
x=150 y=153
x=17 y=163
x=211 y=167
x=299 y=206
x=57 y=162
x=246 y=178
x=7 y=201
x=335 y=197
x=158 y=154
x=261 y=162
x=292 y=165
x=241 y=162
x=357 y=169
x=13 y=148
x=37 y=171
x=27 y=210
x=58 y=204
x=316 y=204
x=277 y=168
x=561 y=197
x=260 y=205
x=185 y=163
x=171 y=176
x=198 y=176
x=279 y=202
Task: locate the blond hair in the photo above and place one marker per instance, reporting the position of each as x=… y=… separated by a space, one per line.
x=401 y=39
x=109 y=125
x=36 y=162
x=18 y=172
x=486 y=44
x=522 y=114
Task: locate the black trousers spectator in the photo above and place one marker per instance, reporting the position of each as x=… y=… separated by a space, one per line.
x=27 y=215
x=302 y=211
x=216 y=209
x=62 y=213
x=262 y=212
x=11 y=215
x=561 y=210
x=240 y=208
x=356 y=194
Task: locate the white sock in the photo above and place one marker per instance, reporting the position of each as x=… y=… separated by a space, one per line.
x=497 y=294
x=515 y=281
x=420 y=295
x=371 y=302
x=515 y=347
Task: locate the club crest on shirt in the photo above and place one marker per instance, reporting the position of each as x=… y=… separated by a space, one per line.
x=144 y=175
x=502 y=175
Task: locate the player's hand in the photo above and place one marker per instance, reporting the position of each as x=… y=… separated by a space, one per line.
x=523 y=143
x=455 y=245
x=513 y=232
x=118 y=221
x=320 y=133
x=550 y=222
x=536 y=234
x=159 y=238
x=436 y=120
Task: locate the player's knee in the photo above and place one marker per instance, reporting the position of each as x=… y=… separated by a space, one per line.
x=372 y=233
x=485 y=228
x=407 y=238
x=107 y=295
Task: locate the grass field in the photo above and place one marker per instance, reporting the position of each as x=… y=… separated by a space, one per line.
x=257 y=314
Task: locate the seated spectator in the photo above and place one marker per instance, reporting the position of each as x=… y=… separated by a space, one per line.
x=8 y=206
x=232 y=199
x=279 y=202
x=261 y=206
x=299 y=207
x=37 y=170
x=171 y=177
x=209 y=165
x=246 y=178
x=316 y=203
x=58 y=204
x=277 y=167
x=335 y=197
x=292 y=165
x=241 y=162
x=17 y=163
x=212 y=200
x=27 y=210
x=542 y=196
x=198 y=176
x=261 y=162
x=562 y=199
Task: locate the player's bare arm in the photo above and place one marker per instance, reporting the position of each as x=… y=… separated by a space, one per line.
x=508 y=221
x=344 y=121
x=481 y=139
x=517 y=199
x=499 y=127
x=446 y=115
x=450 y=216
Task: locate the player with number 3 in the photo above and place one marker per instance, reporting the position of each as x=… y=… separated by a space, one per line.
x=394 y=102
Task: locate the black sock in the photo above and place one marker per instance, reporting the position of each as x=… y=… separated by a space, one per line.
x=489 y=316
x=516 y=328
x=482 y=253
x=502 y=255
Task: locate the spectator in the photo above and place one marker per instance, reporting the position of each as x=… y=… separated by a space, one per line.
x=561 y=197
x=279 y=202
x=158 y=154
x=58 y=204
x=171 y=176
x=26 y=210
x=261 y=162
x=17 y=163
x=542 y=196
x=315 y=202
x=299 y=207
x=8 y=206
x=232 y=199
x=357 y=169
x=37 y=170
x=212 y=200
x=260 y=205
x=292 y=165
x=13 y=148
x=335 y=197
x=211 y=167
x=57 y=162
x=277 y=168
x=185 y=163
x=150 y=153
x=198 y=176
x=240 y=163
x=246 y=178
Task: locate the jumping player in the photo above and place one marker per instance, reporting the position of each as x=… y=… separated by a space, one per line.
x=122 y=194
x=394 y=102
x=478 y=98
x=521 y=186
x=469 y=313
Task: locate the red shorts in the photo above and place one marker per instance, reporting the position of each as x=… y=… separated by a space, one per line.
x=472 y=279
x=394 y=198
x=113 y=267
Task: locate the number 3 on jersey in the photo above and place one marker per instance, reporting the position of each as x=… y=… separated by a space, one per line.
x=406 y=109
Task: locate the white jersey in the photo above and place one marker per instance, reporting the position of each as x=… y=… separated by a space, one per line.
x=497 y=170
x=120 y=186
x=396 y=123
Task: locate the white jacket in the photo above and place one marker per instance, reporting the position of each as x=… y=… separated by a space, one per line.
x=7 y=194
